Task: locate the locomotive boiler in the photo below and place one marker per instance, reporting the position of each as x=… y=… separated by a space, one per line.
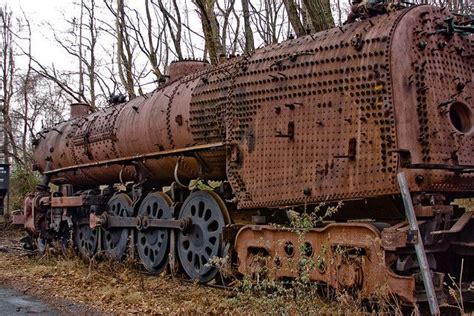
x=292 y=127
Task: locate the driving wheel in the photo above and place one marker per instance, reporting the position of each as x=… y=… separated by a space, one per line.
x=203 y=240
x=152 y=242
x=115 y=240
x=85 y=240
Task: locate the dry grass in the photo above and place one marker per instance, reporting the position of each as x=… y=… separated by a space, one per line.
x=119 y=288
x=468 y=204
x=108 y=288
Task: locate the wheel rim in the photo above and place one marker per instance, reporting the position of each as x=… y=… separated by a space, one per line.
x=203 y=240
x=115 y=240
x=153 y=243
x=86 y=240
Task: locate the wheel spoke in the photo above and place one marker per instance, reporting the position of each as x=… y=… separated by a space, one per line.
x=153 y=245
x=115 y=240
x=203 y=240
x=86 y=241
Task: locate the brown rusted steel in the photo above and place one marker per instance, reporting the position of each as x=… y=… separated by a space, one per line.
x=322 y=117
x=396 y=236
x=179 y=69
x=79 y=109
x=141 y=223
x=458 y=226
x=33 y=212
x=431 y=210
x=341 y=255
x=143 y=157
x=18 y=219
x=67 y=201
x=353 y=86
x=141 y=126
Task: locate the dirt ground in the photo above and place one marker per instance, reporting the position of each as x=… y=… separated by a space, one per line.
x=72 y=285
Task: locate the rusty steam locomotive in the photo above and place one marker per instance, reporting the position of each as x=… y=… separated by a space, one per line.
x=328 y=117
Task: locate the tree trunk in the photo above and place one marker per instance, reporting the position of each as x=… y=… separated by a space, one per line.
x=319 y=13
x=92 y=65
x=152 y=57
x=294 y=17
x=124 y=53
x=210 y=29
x=170 y=20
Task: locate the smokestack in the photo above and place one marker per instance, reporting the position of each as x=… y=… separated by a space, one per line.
x=79 y=109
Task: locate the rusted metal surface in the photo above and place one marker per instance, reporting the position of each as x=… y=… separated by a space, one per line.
x=343 y=256
x=458 y=226
x=18 y=219
x=125 y=160
x=434 y=83
x=154 y=124
x=34 y=212
x=431 y=210
x=67 y=201
x=179 y=69
x=79 y=109
x=352 y=87
x=321 y=117
x=140 y=222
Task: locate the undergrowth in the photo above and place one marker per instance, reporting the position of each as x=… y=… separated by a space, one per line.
x=301 y=295
x=122 y=287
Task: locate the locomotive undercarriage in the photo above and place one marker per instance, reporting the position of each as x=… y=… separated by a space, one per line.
x=183 y=229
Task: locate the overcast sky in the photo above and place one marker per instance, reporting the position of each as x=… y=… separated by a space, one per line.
x=43 y=13
x=38 y=12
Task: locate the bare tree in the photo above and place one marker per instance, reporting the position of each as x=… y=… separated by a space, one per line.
x=249 y=40
x=269 y=20
x=210 y=29
x=225 y=10
x=319 y=14
x=37 y=100
x=294 y=17
x=80 y=42
x=23 y=103
x=124 y=47
x=172 y=18
x=8 y=70
x=26 y=83
x=149 y=42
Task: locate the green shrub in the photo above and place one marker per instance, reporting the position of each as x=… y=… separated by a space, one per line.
x=22 y=182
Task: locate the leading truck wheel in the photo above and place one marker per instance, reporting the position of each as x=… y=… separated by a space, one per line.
x=115 y=240
x=153 y=243
x=203 y=240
